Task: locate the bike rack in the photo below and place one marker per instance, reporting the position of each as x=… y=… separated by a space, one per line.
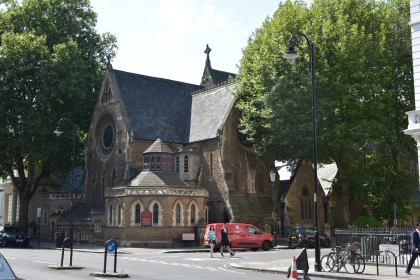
x=71 y=250
x=377 y=261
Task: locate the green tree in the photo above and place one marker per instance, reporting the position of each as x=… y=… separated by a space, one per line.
x=51 y=66
x=363 y=88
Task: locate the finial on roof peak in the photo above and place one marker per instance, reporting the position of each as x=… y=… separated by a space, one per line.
x=207 y=51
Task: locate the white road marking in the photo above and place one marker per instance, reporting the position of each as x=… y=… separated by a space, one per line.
x=10 y=258
x=44 y=262
x=230 y=270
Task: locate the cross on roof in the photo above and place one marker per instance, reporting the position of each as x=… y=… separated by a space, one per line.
x=207 y=51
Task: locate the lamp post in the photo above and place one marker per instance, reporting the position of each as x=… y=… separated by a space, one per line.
x=291 y=56
x=58 y=132
x=273 y=214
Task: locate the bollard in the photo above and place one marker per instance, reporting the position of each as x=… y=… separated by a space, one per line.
x=71 y=251
x=111 y=246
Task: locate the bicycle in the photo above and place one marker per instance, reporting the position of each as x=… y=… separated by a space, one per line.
x=344 y=257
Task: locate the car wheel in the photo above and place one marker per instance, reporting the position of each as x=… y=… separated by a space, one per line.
x=4 y=242
x=304 y=244
x=326 y=243
x=290 y=245
x=266 y=245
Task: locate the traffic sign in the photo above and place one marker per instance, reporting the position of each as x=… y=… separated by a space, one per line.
x=111 y=246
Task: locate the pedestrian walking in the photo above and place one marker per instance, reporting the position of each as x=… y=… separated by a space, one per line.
x=225 y=241
x=415 y=248
x=211 y=237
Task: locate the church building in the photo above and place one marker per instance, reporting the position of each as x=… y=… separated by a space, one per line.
x=164 y=157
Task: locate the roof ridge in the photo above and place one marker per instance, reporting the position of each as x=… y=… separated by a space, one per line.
x=212 y=87
x=224 y=71
x=157 y=78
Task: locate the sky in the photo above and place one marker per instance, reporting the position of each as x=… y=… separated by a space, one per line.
x=167 y=38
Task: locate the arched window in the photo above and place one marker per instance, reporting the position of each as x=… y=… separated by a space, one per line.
x=110 y=215
x=168 y=162
x=192 y=214
x=305 y=204
x=94 y=186
x=178 y=214
x=114 y=177
x=155 y=213
x=186 y=164
x=211 y=164
x=145 y=163
x=177 y=164
x=258 y=181
x=158 y=163
x=163 y=162
x=119 y=214
x=103 y=181
x=152 y=163
x=137 y=214
x=235 y=178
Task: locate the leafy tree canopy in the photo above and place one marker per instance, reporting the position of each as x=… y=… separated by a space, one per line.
x=51 y=66
x=364 y=86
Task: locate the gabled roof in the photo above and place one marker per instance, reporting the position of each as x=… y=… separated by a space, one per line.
x=156 y=108
x=221 y=76
x=83 y=212
x=209 y=112
x=158 y=179
x=66 y=185
x=158 y=147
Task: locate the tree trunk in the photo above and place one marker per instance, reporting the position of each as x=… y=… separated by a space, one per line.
x=24 y=199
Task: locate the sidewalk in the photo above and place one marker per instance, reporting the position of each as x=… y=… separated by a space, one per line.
x=280 y=266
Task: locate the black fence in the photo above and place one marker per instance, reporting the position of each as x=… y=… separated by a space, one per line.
x=370 y=240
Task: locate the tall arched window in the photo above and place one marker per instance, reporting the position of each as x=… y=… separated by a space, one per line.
x=192 y=214
x=177 y=164
x=152 y=163
x=178 y=214
x=163 y=162
x=158 y=163
x=155 y=213
x=186 y=164
x=211 y=164
x=94 y=191
x=137 y=214
x=110 y=215
x=305 y=204
x=114 y=177
x=168 y=162
x=119 y=214
x=103 y=181
x=258 y=181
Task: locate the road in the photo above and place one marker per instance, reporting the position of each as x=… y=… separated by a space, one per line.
x=30 y=264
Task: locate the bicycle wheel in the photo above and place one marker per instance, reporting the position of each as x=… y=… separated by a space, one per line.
x=327 y=263
x=351 y=264
x=361 y=260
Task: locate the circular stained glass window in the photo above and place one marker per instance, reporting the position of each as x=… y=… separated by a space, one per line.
x=105 y=137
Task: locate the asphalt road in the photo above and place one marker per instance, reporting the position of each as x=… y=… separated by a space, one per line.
x=33 y=264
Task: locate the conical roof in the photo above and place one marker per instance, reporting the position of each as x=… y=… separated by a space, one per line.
x=158 y=147
x=158 y=179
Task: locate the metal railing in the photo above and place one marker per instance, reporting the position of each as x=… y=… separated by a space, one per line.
x=371 y=238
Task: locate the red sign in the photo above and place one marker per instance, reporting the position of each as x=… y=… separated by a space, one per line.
x=146 y=218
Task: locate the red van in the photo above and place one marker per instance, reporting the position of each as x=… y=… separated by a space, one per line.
x=242 y=236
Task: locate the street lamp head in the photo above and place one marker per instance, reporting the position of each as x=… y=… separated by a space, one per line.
x=291 y=55
x=272 y=176
x=58 y=131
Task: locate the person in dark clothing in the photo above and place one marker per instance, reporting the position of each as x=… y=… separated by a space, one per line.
x=415 y=248
x=225 y=241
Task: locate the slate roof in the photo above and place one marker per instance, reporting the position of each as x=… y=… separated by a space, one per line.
x=221 y=76
x=158 y=147
x=66 y=185
x=157 y=108
x=84 y=212
x=209 y=112
x=158 y=179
